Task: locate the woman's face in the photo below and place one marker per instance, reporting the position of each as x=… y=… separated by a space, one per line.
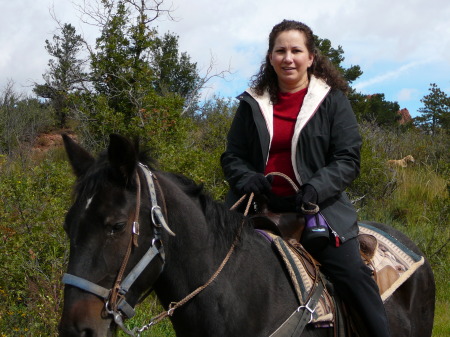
x=290 y=59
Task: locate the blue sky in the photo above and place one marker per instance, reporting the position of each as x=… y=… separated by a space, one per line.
x=401 y=46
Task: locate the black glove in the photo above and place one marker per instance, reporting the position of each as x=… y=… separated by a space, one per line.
x=307 y=197
x=258 y=184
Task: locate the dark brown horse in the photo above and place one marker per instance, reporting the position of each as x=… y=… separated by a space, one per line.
x=122 y=248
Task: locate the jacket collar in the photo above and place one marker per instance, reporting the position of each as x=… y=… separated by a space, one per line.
x=317 y=91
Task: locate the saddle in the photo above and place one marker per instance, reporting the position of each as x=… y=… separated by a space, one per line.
x=390 y=262
x=377 y=250
x=288 y=225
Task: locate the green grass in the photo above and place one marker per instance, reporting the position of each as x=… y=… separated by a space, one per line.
x=149 y=309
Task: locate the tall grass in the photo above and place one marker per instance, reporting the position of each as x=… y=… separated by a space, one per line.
x=419 y=207
x=149 y=309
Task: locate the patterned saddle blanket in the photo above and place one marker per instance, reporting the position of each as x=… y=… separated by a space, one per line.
x=392 y=263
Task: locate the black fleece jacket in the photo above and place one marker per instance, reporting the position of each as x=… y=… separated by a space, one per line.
x=325 y=150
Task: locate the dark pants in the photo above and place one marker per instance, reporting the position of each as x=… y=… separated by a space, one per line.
x=353 y=282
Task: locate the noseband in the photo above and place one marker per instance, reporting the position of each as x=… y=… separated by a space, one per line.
x=115 y=302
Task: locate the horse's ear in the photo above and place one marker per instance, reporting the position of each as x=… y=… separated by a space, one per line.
x=122 y=156
x=79 y=158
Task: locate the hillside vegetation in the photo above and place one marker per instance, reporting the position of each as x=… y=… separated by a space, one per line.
x=36 y=194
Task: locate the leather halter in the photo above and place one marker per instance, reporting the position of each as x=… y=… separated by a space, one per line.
x=115 y=302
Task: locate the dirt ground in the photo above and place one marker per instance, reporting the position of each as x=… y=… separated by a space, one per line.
x=47 y=141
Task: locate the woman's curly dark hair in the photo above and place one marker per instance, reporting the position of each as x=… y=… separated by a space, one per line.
x=266 y=78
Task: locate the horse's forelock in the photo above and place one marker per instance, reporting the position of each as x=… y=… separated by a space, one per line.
x=101 y=173
x=88 y=184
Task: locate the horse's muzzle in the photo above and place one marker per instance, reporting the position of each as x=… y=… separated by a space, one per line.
x=84 y=316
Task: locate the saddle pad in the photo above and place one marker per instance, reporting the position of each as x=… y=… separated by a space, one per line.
x=394 y=263
x=302 y=281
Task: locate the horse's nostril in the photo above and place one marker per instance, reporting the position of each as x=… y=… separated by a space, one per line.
x=87 y=333
x=77 y=333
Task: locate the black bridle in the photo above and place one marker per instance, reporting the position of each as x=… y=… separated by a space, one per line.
x=115 y=298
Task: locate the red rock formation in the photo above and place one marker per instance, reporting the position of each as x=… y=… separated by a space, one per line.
x=405 y=116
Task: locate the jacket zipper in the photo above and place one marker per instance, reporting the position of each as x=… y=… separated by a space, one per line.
x=337 y=239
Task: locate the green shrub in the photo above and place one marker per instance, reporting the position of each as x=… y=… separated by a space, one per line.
x=21 y=120
x=374 y=181
x=33 y=253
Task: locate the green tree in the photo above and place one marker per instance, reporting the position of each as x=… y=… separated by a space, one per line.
x=375 y=109
x=120 y=70
x=140 y=80
x=435 y=114
x=336 y=57
x=174 y=72
x=65 y=74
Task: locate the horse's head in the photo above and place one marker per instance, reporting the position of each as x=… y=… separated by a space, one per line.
x=110 y=232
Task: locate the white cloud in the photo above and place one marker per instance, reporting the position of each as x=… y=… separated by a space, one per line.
x=407 y=94
x=390 y=75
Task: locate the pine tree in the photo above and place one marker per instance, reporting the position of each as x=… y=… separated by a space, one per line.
x=435 y=114
x=65 y=74
x=174 y=72
x=336 y=56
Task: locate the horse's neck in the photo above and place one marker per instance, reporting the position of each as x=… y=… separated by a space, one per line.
x=194 y=255
x=252 y=278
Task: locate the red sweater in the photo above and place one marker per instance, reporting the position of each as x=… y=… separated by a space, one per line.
x=285 y=114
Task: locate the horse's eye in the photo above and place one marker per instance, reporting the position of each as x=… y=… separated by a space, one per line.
x=117 y=227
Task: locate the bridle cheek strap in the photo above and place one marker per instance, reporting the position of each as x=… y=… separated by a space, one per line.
x=145 y=261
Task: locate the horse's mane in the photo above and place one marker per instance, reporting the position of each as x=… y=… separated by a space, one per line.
x=224 y=223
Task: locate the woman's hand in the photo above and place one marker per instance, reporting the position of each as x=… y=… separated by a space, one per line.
x=306 y=199
x=258 y=184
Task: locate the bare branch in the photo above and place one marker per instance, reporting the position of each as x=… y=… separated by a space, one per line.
x=97 y=14
x=157 y=9
x=202 y=83
x=438 y=251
